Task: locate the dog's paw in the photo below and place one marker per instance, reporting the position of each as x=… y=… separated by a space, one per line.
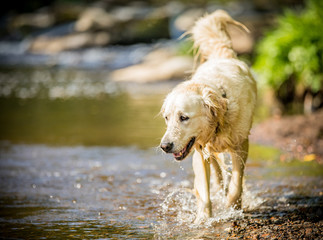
x=201 y=218
x=204 y=212
x=233 y=202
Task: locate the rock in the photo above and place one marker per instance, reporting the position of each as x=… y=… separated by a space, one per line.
x=56 y=31
x=132 y=12
x=126 y=24
x=94 y=18
x=184 y=21
x=242 y=42
x=41 y=19
x=152 y=27
x=50 y=45
x=160 y=65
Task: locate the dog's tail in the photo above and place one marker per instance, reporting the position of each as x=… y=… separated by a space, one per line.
x=211 y=37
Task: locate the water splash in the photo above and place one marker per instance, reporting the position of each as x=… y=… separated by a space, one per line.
x=178 y=210
x=180 y=204
x=251 y=199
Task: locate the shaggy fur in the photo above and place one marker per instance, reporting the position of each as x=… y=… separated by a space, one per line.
x=212 y=112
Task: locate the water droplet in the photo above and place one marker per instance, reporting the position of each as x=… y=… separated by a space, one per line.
x=185 y=183
x=155 y=191
x=103 y=190
x=78 y=185
x=163 y=174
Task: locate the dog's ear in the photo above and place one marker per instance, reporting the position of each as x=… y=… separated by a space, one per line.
x=216 y=106
x=163 y=108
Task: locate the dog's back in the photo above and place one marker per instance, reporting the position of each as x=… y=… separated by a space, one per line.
x=221 y=69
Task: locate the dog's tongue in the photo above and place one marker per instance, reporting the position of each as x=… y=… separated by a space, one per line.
x=179 y=154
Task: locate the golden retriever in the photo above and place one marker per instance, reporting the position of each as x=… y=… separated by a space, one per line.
x=212 y=112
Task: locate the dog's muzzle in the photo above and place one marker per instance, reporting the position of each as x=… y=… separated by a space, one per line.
x=167 y=147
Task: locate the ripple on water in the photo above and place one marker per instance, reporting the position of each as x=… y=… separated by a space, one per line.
x=125 y=192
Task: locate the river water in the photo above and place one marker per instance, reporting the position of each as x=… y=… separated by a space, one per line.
x=79 y=159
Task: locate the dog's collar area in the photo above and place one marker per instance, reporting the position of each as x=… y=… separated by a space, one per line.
x=185 y=151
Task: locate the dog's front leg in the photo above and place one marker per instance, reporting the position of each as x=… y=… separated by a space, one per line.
x=239 y=158
x=217 y=176
x=201 y=170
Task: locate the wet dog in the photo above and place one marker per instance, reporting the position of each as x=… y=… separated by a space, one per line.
x=212 y=112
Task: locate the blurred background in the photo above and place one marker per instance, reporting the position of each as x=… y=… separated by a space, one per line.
x=82 y=83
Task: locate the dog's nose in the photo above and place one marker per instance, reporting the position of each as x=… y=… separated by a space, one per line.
x=167 y=147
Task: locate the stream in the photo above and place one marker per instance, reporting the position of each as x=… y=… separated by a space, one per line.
x=79 y=158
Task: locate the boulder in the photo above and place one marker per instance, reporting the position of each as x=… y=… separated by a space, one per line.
x=94 y=18
x=41 y=19
x=159 y=65
x=242 y=42
x=51 y=45
x=184 y=21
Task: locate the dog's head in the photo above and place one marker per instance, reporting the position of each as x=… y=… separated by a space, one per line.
x=193 y=114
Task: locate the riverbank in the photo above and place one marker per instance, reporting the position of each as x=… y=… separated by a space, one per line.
x=299 y=137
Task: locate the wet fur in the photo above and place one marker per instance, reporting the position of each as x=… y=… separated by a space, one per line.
x=219 y=100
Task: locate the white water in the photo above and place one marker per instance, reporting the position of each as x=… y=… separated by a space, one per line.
x=178 y=209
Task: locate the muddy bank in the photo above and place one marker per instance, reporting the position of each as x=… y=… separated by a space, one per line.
x=299 y=218
x=299 y=137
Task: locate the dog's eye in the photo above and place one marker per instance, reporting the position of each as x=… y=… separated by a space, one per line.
x=183 y=118
x=166 y=118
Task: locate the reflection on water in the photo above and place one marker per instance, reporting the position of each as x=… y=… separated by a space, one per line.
x=66 y=107
x=85 y=166
x=119 y=120
x=77 y=190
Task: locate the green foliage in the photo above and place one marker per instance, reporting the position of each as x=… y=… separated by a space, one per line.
x=186 y=48
x=294 y=50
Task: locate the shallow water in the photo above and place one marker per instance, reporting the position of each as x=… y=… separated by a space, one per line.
x=87 y=166
x=125 y=192
x=74 y=107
